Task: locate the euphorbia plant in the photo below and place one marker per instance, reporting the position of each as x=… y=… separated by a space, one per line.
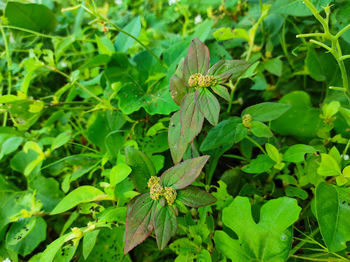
x=191 y=87
x=156 y=209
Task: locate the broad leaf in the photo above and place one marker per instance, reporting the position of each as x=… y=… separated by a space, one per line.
x=89 y=242
x=333 y=212
x=269 y=240
x=165 y=225
x=222 y=91
x=226 y=69
x=176 y=141
x=222 y=134
x=82 y=194
x=191 y=118
x=194 y=197
x=183 y=174
x=258 y=165
x=328 y=166
x=142 y=168
x=197 y=59
x=139 y=224
x=34 y=17
x=208 y=105
x=259 y=129
x=266 y=111
x=123 y=42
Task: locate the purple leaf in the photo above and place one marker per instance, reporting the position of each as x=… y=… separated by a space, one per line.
x=176 y=141
x=191 y=118
x=197 y=59
x=194 y=197
x=225 y=69
x=208 y=105
x=165 y=225
x=183 y=174
x=139 y=221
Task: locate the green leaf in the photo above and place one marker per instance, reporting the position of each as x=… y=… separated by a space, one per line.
x=183 y=174
x=165 y=225
x=259 y=129
x=296 y=153
x=191 y=118
x=296 y=7
x=333 y=213
x=142 y=168
x=123 y=42
x=194 y=197
x=241 y=133
x=26 y=235
x=89 y=242
x=273 y=153
x=119 y=173
x=328 y=166
x=222 y=91
x=177 y=86
x=208 y=105
x=226 y=33
x=259 y=165
x=266 y=111
x=176 y=141
x=301 y=120
x=139 y=224
x=104 y=45
x=220 y=135
x=51 y=250
x=292 y=191
x=197 y=59
x=269 y=240
x=10 y=145
x=274 y=66
x=229 y=69
x=61 y=139
x=34 y=17
x=82 y=194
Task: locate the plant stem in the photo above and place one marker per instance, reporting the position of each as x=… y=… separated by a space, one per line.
x=9 y=75
x=303 y=242
x=256 y=143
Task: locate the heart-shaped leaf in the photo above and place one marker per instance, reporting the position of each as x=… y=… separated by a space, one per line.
x=183 y=174
x=208 y=105
x=176 y=141
x=191 y=118
x=165 y=224
x=194 y=197
x=197 y=59
x=139 y=221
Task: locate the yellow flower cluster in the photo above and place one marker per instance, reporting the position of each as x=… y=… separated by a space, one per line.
x=247 y=120
x=156 y=190
x=199 y=80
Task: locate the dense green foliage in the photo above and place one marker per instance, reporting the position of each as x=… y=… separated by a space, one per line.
x=174 y=130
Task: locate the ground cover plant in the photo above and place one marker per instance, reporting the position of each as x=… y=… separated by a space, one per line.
x=174 y=130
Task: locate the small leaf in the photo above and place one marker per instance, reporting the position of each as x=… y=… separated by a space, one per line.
x=61 y=139
x=118 y=174
x=328 y=166
x=209 y=106
x=195 y=197
x=296 y=153
x=139 y=224
x=266 y=111
x=222 y=91
x=82 y=194
x=176 y=141
x=165 y=225
x=259 y=165
x=191 y=118
x=197 y=59
x=273 y=153
x=51 y=250
x=241 y=132
x=183 y=174
x=226 y=69
x=259 y=129
x=142 y=168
